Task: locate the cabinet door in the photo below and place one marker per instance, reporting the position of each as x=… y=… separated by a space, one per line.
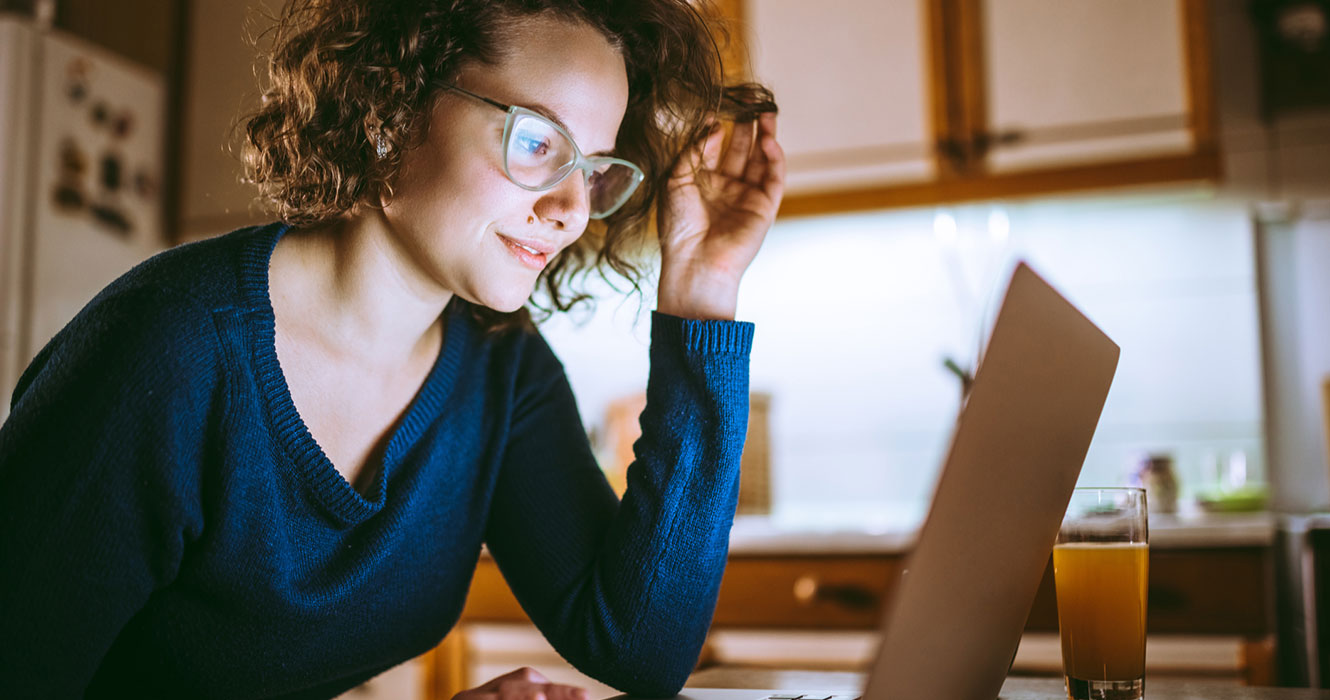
x=851 y=78
x=1085 y=82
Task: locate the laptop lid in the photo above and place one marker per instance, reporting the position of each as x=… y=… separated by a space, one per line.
x=956 y=616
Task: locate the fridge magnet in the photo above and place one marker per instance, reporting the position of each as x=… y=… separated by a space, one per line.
x=68 y=192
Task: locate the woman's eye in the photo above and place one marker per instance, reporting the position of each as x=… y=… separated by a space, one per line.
x=533 y=146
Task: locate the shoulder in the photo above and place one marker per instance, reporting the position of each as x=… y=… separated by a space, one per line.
x=154 y=326
x=169 y=299
x=125 y=342
x=207 y=272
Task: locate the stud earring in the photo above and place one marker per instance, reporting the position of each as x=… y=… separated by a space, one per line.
x=530 y=220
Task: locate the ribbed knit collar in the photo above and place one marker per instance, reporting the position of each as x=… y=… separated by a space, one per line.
x=312 y=466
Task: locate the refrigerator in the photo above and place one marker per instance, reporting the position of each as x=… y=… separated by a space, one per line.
x=82 y=135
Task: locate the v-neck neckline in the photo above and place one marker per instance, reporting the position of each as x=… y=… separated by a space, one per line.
x=312 y=466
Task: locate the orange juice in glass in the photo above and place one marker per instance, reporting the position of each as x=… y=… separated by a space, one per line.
x=1100 y=570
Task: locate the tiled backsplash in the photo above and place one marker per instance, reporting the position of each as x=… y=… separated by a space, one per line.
x=855 y=315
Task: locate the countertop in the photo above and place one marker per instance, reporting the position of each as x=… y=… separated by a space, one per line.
x=1013 y=689
x=1301 y=523
x=756 y=535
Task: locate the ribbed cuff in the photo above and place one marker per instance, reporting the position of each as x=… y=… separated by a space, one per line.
x=732 y=337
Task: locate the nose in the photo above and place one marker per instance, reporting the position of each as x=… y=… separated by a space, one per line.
x=567 y=205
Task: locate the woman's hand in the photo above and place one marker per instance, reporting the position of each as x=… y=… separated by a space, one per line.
x=523 y=684
x=719 y=205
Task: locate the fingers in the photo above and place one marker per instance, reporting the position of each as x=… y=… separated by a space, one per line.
x=774 y=178
x=523 y=684
x=524 y=690
x=736 y=154
x=766 y=167
x=752 y=156
x=526 y=674
x=703 y=155
x=558 y=691
x=766 y=122
x=758 y=163
x=711 y=147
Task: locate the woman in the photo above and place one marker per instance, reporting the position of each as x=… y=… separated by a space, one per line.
x=264 y=465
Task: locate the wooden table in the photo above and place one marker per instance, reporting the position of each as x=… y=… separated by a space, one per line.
x=1014 y=689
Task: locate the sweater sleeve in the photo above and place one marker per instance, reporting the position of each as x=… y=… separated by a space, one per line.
x=99 y=471
x=626 y=591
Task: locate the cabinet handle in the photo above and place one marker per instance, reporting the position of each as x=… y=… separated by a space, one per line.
x=954 y=151
x=808 y=590
x=987 y=140
x=975 y=148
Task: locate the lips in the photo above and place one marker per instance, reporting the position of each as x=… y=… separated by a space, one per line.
x=533 y=254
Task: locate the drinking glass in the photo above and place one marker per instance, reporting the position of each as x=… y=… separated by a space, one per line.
x=1100 y=569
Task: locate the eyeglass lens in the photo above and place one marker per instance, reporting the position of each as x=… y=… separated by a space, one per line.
x=540 y=155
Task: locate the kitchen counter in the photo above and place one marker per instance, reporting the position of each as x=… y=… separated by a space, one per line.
x=1301 y=523
x=1013 y=689
x=758 y=535
x=1210 y=576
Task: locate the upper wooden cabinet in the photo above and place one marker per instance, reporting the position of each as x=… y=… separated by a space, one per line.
x=908 y=102
x=853 y=87
x=1085 y=81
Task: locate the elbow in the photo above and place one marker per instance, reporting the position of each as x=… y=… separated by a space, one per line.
x=655 y=683
x=651 y=656
x=645 y=675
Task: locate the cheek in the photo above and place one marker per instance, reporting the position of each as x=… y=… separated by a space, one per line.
x=429 y=172
x=428 y=189
x=442 y=188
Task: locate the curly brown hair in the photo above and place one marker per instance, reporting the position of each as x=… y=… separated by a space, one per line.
x=343 y=73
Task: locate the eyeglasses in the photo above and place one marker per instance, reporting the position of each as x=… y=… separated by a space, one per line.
x=538 y=154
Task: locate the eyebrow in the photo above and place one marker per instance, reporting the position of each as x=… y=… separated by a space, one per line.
x=536 y=107
x=553 y=116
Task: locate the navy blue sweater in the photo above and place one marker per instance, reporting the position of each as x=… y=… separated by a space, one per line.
x=168 y=526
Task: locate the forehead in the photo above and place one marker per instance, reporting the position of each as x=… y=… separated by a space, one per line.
x=566 y=68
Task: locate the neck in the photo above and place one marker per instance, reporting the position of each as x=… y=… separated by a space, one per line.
x=351 y=285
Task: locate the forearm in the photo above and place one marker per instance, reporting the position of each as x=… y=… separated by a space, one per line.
x=627 y=593
x=683 y=484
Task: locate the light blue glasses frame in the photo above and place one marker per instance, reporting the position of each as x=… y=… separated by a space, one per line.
x=603 y=202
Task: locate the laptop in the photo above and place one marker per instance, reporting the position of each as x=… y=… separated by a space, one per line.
x=951 y=629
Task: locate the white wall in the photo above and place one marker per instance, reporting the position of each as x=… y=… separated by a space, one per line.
x=854 y=315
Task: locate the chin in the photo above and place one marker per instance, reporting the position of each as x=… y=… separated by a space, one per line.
x=506 y=308
x=504 y=301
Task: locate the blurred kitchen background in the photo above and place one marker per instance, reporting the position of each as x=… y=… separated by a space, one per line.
x=1166 y=163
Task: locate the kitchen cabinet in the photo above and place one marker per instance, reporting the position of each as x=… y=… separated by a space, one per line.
x=1306 y=574
x=851 y=80
x=1304 y=603
x=1083 y=82
x=913 y=102
x=1320 y=553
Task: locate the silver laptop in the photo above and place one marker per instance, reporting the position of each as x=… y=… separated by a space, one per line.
x=951 y=629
